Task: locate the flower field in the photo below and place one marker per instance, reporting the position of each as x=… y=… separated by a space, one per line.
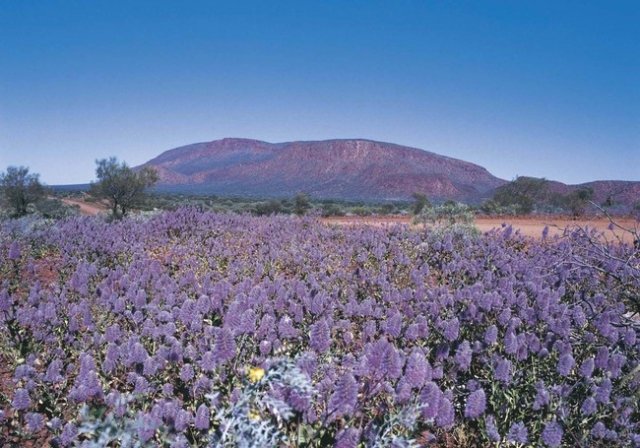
x=196 y=329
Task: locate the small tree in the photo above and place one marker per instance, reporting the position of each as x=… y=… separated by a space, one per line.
x=522 y=195
x=272 y=207
x=448 y=216
x=420 y=202
x=122 y=186
x=20 y=188
x=577 y=200
x=301 y=204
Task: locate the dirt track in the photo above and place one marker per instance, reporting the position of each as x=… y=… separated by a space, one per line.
x=86 y=208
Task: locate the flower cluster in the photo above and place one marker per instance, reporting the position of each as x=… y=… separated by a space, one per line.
x=393 y=335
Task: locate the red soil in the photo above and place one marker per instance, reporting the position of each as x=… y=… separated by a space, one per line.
x=530 y=225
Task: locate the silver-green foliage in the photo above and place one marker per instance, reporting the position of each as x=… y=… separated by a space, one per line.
x=256 y=418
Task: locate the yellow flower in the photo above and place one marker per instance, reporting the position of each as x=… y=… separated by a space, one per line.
x=255 y=374
x=254 y=416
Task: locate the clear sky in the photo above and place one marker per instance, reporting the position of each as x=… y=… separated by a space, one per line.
x=542 y=88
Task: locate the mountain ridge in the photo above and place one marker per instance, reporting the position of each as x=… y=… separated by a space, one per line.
x=346 y=169
x=336 y=168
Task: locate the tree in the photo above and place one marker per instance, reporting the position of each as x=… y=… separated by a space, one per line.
x=121 y=185
x=420 y=202
x=522 y=195
x=20 y=188
x=272 y=207
x=301 y=204
x=578 y=199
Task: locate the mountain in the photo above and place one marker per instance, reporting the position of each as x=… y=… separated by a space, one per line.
x=352 y=169
x=619 y=196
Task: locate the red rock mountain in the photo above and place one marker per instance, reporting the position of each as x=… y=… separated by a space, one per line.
x=337 y=169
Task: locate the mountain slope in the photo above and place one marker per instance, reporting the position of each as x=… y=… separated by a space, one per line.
x=341 y=169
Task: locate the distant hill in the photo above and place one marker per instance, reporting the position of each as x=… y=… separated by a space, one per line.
x=351 y=169
x=619 y=196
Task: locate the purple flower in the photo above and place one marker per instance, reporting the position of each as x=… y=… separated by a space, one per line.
x=141 y=386
x=417 y=370
x=463 y=356
x=286 y=330
x=225 y=346
x=630 y=337
x=616 y=362
x=492 y=430
x=186 y=373
x=491 y=335
x=347 y=438
x=589 y=406
x=393 y=324
x=21 y=399
x=586 y=368
x=382 y=359
x=265 y=347
x=510 y=342
x=403 y=392
x=208 y=362
x=451 y=329
x=502 y=370
x=55 y=423
x=320 y=336
x=14 y=251
x=69 y=434
x=202 y=417
x=182 y=420
x=344 y=398
x=565 y=364
x=599 y=430
x=35 y=421
x=151 y=366
x=180 y=442
x=518 y=433
x=202 y=385
x=476 y=404
x=147 y=425
x=167 y=389
x=446 y=414
x=87 y=384
x=137 y=355
x=542 y=397
x=603 y=391
x=552 y=434
x=430 y=398
x=602 y=357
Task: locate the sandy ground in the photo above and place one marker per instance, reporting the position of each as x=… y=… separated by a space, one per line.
x=86 y=208
x=530 y=226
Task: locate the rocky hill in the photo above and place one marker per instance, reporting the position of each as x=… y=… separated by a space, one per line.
x=338 y=169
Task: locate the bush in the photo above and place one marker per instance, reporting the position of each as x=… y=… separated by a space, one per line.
x=272 y=207
x=20 y=189
x=449 y=217
x=331 y=209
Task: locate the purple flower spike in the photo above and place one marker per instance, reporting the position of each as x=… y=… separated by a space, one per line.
x=476 y=404
x=21 y=399
x=552 y=434
x=14 y=251
x=202 y=417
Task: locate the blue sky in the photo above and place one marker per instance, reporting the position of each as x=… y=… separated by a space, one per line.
x=543 y=88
